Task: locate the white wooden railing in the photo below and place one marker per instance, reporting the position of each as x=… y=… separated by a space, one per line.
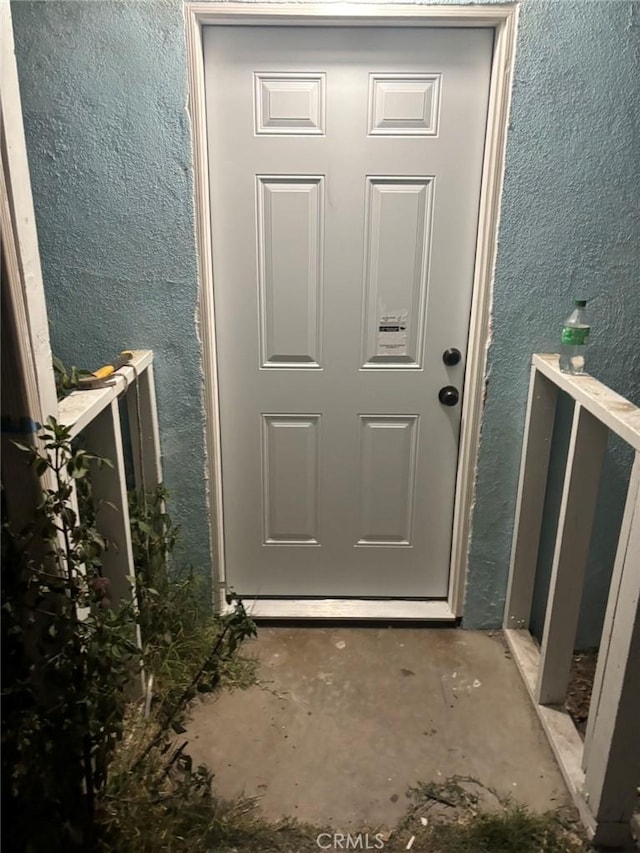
x=602 y=773
x=95 y=414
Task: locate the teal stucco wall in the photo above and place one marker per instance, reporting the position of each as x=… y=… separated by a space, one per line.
x=104 y=91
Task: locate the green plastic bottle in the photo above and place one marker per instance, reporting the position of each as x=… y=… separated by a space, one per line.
x=575 y=334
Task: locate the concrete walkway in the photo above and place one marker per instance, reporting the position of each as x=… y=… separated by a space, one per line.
x=347 y=719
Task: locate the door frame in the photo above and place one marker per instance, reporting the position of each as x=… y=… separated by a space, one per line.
x=503 y=20
x=32 y=387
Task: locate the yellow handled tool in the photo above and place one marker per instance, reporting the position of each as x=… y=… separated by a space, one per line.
x=99 y=377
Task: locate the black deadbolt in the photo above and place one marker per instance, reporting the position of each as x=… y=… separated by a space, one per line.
x=448 y=395
x=451 y=356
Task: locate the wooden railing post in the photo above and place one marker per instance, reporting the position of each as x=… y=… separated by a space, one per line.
x=104 y=438
x=633 y=496
x=582 y=477
x=145 y=436
x=612 y=744
x=534 y=466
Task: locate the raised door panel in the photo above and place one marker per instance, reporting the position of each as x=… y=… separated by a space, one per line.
x=388 y=447
x=396 y=276
x=289 y=104
x=404 y=105
x=290 y=475
x=290 y=251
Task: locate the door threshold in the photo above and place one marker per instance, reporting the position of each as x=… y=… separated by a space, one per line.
x=341 y=608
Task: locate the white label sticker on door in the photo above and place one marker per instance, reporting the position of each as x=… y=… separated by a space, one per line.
x=392 y=333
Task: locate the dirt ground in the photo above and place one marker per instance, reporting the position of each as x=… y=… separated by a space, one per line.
x=580 y=686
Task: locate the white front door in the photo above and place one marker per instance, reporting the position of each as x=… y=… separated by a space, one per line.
x=345 y=180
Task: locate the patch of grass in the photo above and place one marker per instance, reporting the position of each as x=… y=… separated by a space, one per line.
x=512 y=830
x=174 y=657
x=461 y=815
x=178 y=631
x=157 y=805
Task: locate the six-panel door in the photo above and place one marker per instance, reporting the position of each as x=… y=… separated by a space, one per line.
x=345 y=178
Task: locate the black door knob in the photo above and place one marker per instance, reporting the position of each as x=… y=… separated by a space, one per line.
x=448 y=395
x=451 y=356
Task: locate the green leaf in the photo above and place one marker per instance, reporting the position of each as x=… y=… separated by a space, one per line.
x=25 y=447
x=42 y=466
x=68 y=515
x=78 y=473
x=58 y=365
x=101 y=461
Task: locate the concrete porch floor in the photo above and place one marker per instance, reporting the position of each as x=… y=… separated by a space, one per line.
x=347 y=719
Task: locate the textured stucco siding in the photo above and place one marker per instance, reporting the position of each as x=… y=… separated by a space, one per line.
x=104 y=92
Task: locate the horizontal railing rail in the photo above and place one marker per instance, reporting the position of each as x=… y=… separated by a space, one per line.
x=602 y=773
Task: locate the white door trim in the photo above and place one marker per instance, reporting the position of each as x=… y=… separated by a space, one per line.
x=20 y=237
x=32 y=386
x=503 y=19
